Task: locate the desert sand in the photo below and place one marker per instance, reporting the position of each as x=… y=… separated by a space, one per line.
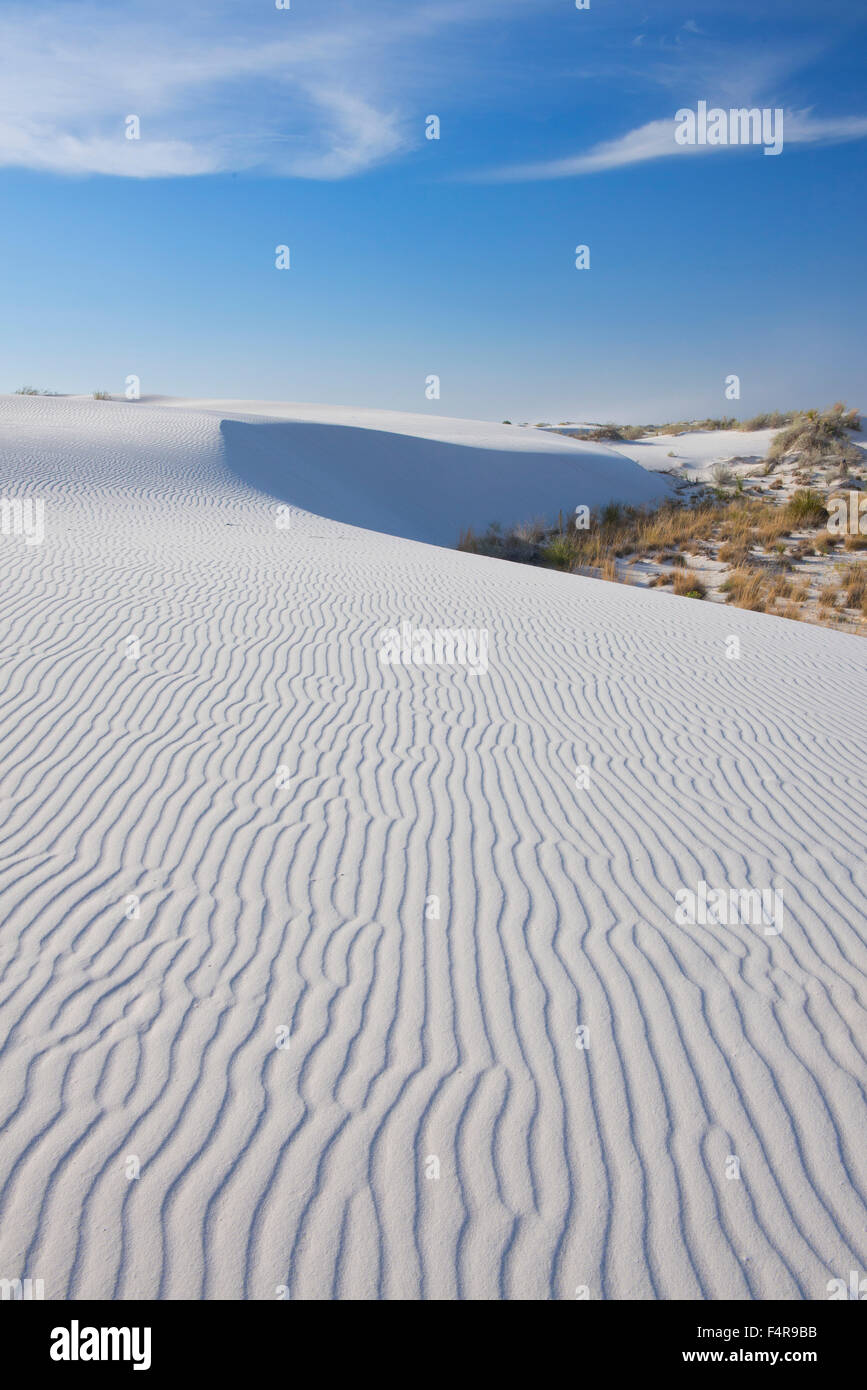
x=324 y=978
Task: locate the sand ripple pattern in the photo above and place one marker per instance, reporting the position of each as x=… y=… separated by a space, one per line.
x=149 y=1034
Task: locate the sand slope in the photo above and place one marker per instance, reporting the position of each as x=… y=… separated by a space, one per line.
x=148 y=1034
x=425 y=477
x=694 y=454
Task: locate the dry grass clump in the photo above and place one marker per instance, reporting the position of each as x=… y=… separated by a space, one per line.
x=799 y=590
x=853 y=586
x=687 y=584
x=745 y=588
x=733 y=553
x=770 y=420
x=828 y=595
x=791 y=610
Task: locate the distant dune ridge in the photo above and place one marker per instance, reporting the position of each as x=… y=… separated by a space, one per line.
x=325 y=977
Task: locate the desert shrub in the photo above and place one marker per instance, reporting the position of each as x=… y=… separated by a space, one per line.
x=27 y=391
x=101 y=396
x=722 y=475
x=687 y=584
x=806 y=507
x=817 y=435
x=531 y=531
x=855 y=543
x=559 y=552
x=745 y=588
x=606 y=432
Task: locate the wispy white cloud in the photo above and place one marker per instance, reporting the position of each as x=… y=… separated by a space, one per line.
x=325 y=91
x=655 y=140
x=322 y=94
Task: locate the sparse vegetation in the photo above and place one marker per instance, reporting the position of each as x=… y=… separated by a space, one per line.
x=770 y=420
x=756 y=542
x=818 y=436
x=606 y=432
x=767 y=420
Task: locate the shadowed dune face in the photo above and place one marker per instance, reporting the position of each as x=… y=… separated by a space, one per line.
x=424 y=489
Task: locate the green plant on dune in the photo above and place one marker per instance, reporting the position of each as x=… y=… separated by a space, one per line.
x=806 y=507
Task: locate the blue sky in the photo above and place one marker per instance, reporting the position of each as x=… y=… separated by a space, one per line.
x=412 y=257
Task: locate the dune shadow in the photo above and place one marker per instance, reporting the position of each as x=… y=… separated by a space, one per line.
x=422 y=489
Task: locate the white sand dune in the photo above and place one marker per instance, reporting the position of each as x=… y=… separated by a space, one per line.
x=301 y=900
x=695 y=453
x=424 y=477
